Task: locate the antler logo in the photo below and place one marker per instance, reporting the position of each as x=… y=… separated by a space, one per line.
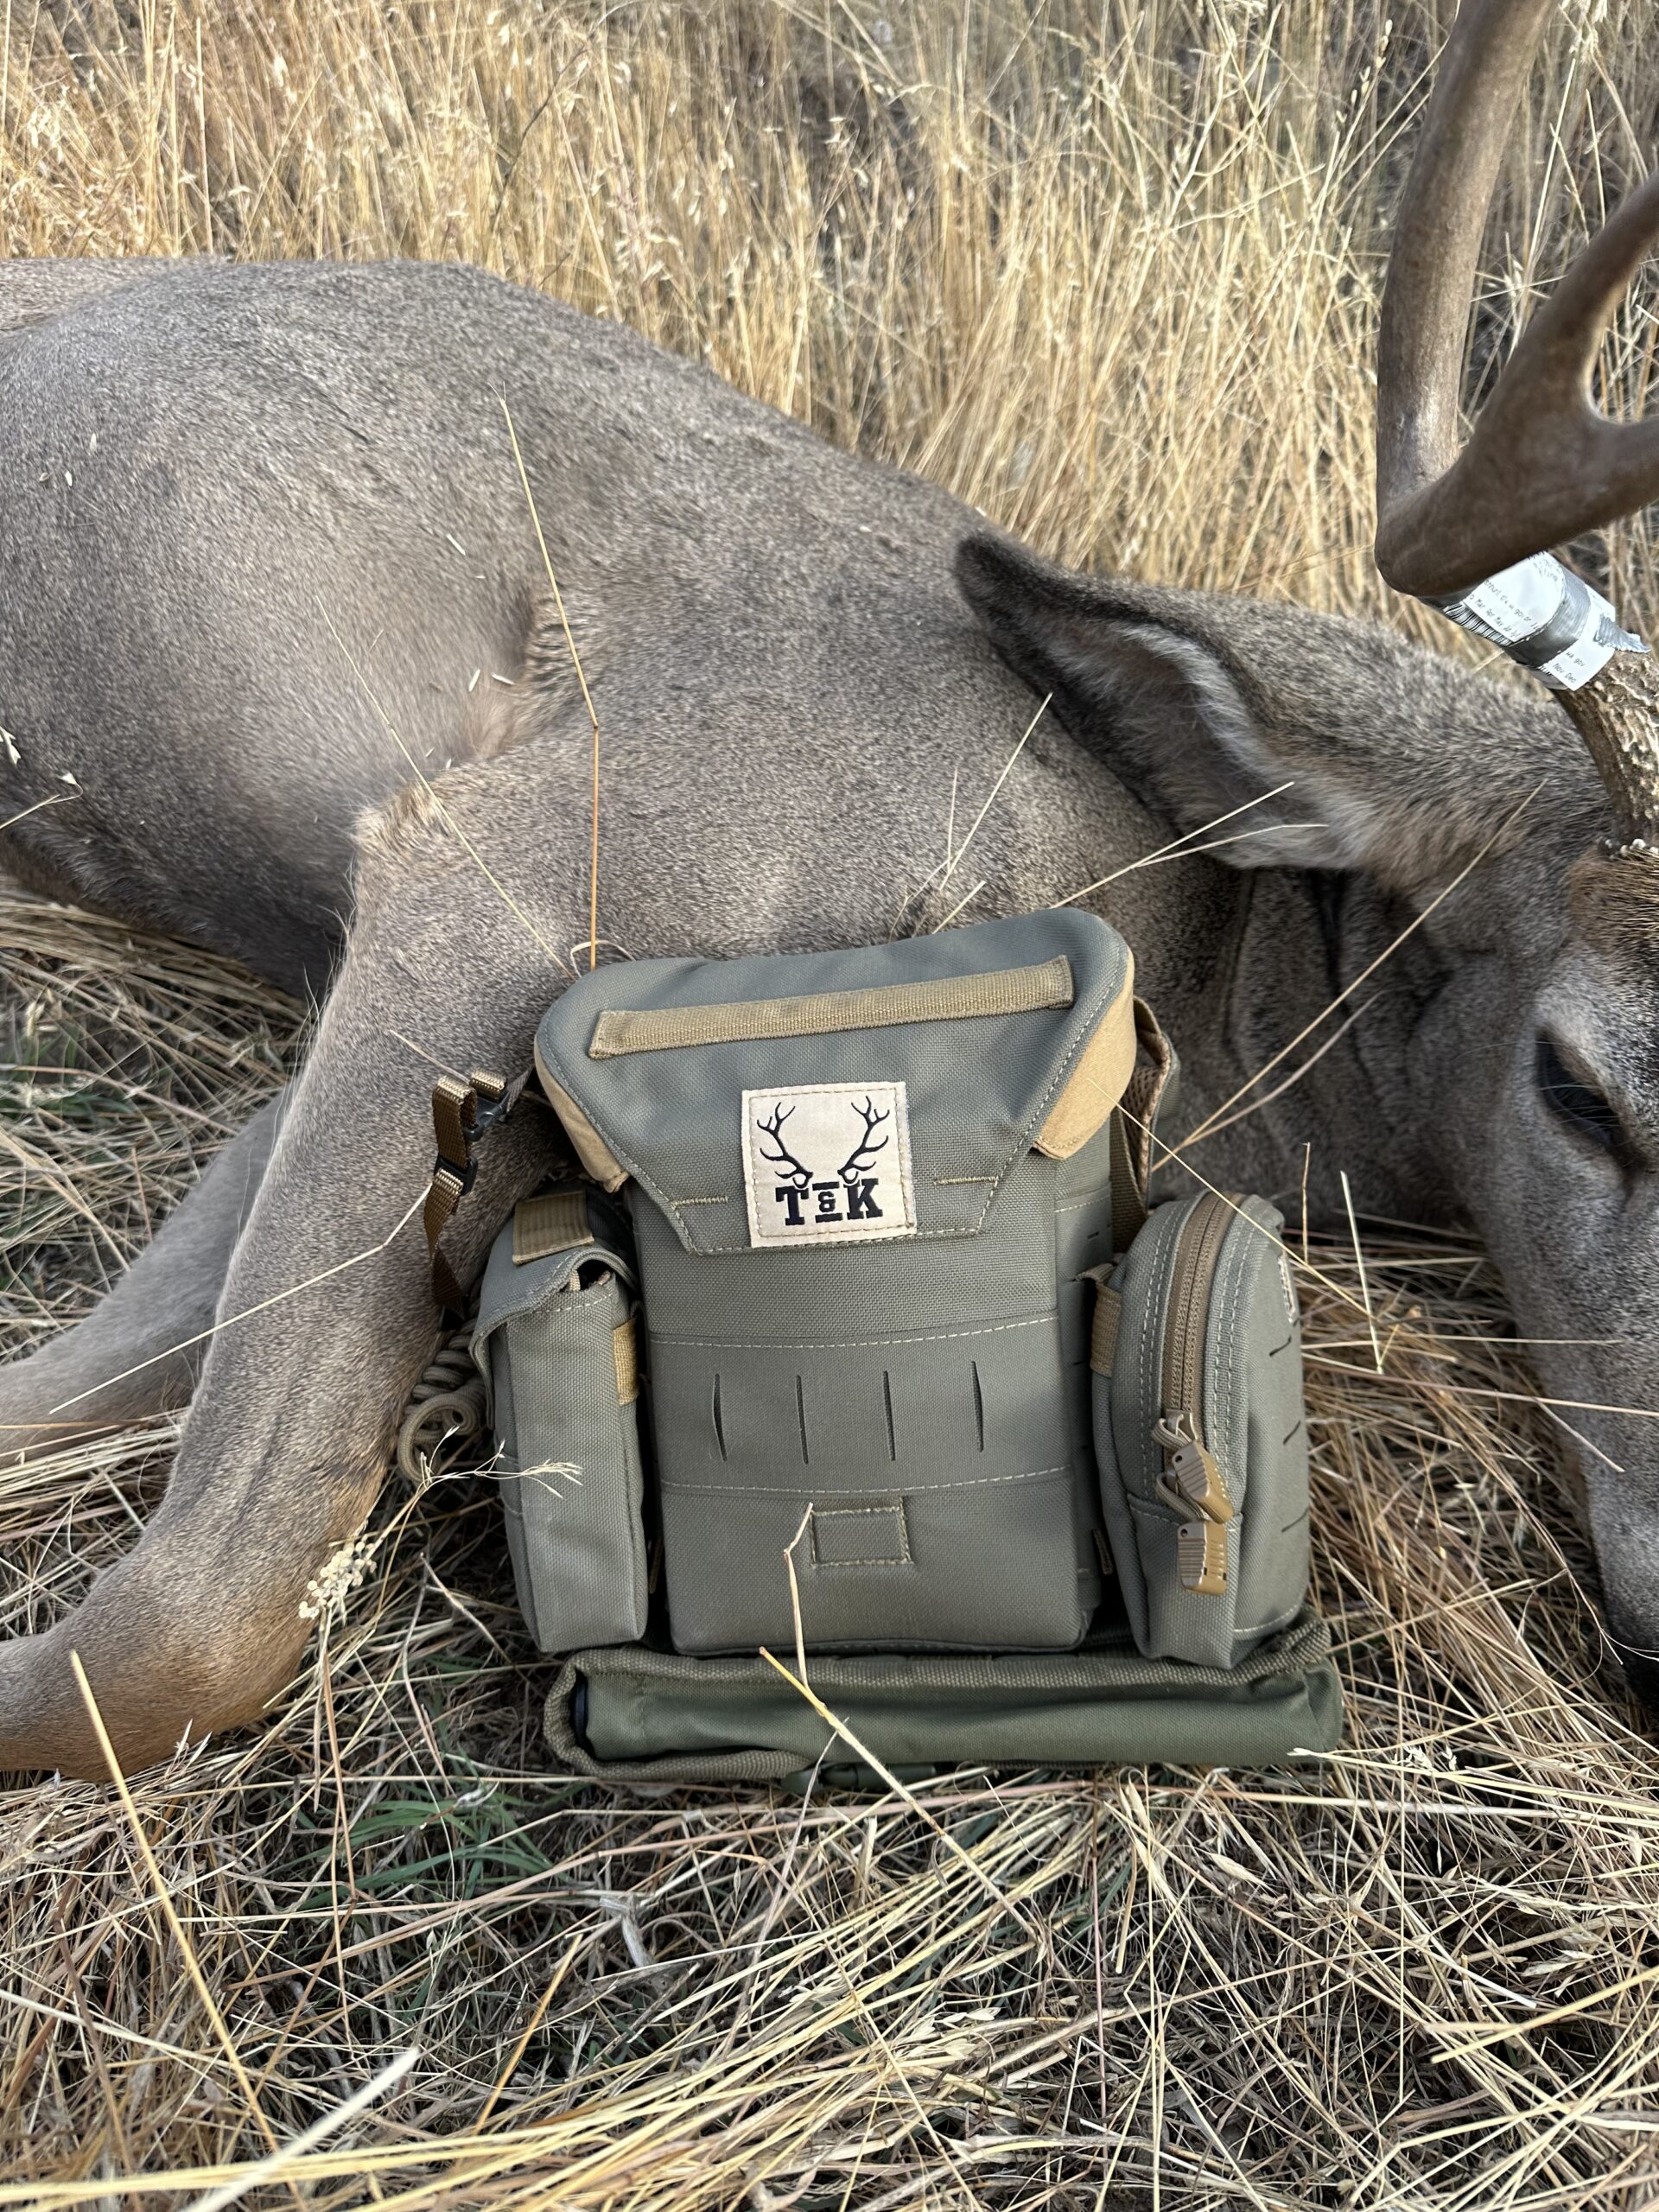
x=822 y=1162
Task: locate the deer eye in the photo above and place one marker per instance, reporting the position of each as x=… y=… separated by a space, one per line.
x=1578 y=1103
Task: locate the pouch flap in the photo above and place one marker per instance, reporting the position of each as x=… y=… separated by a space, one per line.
x=548 y=1240
x=819 y=1099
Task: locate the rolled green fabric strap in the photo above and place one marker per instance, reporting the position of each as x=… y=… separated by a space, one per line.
x=657 y=1716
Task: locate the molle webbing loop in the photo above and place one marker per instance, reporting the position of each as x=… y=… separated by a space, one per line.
x=554 y=1221
x=461 y=1114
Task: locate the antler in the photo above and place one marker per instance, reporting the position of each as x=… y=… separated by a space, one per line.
x=783 y=1157
x=864 y=1152
x=1543 y=463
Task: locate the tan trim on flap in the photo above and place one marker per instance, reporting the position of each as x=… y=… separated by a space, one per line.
x=1097 y=1083
x=625 y=1350
x=555 y=1222
x=823 y=1014
x=591 y=1148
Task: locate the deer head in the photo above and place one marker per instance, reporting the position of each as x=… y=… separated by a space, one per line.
x=1540 y=464
x=1508 y=880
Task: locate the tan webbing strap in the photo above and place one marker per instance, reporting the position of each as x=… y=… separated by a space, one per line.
x=1132 y=1126
x=554 y=1221
x=1106 y=1327
x=625 y=1352
x=461 y=1113
x=823 y=1013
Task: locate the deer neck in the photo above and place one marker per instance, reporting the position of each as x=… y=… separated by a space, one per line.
x=1297 y=1050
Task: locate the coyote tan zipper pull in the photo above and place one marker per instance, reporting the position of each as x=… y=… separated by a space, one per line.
x=1192 y=1478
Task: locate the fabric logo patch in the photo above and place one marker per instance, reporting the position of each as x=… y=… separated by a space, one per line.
x=826 y=1163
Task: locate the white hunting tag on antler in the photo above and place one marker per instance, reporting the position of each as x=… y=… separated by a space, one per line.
x=1546 y=617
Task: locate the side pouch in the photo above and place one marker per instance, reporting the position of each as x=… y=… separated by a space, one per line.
x=556 y=1345
x=1201 y=1432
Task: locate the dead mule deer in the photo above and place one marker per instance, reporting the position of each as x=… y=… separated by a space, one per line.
x=270 y=592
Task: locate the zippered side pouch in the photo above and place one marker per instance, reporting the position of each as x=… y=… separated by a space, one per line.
x=1200 y=1430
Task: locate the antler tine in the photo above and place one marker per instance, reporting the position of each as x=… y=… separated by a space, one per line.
x=1436 y=250
x=1465 y=529
x=1543 y=463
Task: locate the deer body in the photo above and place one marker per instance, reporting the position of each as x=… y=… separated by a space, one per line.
x=272 y=595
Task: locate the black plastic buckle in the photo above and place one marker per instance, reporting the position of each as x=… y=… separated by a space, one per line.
x=491 y=1111
x=465 y=1176
x=465 y=1173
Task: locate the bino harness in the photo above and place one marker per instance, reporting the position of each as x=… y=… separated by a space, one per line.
x=853 y=1342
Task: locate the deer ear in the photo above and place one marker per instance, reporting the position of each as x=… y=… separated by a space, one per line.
x=1345 y=748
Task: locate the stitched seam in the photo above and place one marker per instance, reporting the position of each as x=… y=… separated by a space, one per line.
x=1233 y=1381
x=1168 y=1609
x=911 y=1490
x=524 y=1297
x=1269 y=1627
x=861 y=1344
x=864 y=1669
x=1226 y=1381
x=551 y=1304
x=1103 y=1007
x=1248 y=1252
x=1152 y=1343
x=1151 y=1338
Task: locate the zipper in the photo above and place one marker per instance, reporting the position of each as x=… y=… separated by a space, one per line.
x=1191 y=1476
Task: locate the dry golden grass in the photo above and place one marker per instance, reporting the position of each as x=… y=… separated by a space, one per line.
x=1111 y=272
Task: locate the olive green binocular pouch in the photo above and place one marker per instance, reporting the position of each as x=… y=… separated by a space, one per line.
x=853 y=1411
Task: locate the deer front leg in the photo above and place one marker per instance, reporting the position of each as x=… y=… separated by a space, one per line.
x=140 y=1350
x=326 y=1316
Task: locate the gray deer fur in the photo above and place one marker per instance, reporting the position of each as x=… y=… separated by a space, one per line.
x=221 y=487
